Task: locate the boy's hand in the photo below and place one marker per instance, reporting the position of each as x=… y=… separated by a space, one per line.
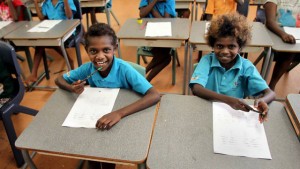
x=237 y=104
x=108 y=120
x=264 y=108
x=78 y=87
x=287 y=38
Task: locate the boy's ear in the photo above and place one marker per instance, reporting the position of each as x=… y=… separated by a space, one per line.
x=116 y=46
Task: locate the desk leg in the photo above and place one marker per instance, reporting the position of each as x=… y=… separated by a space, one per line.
x=28 y=159
x=266 y=64
x=107 y=15
x=192 y=12
x=185 y=67
x=63 y=50
x=190 y=66
x=119 y=49
x=142 y=166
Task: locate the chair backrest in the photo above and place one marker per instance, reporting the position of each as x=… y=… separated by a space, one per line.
x=138 y=68
x=243 y=9
x=9 y=57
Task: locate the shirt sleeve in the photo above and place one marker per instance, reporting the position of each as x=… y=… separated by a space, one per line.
x=255 y=83
x=77 y=74
x=201 y=73
x=143 y=3
x=210 y=7
x=170 y=8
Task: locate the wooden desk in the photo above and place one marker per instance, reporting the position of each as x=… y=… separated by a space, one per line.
x=260 y=39
x=10 y=27
x=183 y=138
x=127 y=142
x=293 y=109
x=131 y=34
x=54 y=37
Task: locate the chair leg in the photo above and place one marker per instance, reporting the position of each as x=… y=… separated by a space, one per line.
x=137 y=58
x=145 y=59
x=294 y=64
x=78 y=54
x=26 y=110
x=112 y=13
x=173 y=69
x=107 y=12
x=11 y=134
x=177 y=58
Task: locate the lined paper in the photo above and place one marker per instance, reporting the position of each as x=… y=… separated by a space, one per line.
x=238 y=133
x=92 y=104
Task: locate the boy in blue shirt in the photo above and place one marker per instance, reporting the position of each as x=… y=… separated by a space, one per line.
x=52 y=10
x=157 y=9
x=224 y=75
x=101 y=42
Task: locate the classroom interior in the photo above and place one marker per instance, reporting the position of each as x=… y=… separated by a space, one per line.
x=123 y=9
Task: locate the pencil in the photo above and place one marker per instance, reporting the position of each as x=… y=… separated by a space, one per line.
x=91 y=74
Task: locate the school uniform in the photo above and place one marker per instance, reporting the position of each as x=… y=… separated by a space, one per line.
x=121 y=75
x=162 y=7
x=240 y=81
x=220 y=7
x=57 y=11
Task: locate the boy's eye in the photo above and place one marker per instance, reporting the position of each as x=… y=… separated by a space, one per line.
x=106 y=50
x=219 y=46
x=231 y=47
x=92 y=51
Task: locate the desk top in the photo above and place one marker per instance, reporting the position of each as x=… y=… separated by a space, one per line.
x=128 y=141
x=260 y=36
x=183 y=138
x=10 y=27
x=132 y=30
x=280 y=46
x=58 y=31
x=293 y=105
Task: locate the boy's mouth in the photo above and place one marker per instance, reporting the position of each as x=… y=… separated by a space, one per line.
x=101 y=63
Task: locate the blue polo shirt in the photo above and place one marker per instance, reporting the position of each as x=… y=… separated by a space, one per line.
x=240 y=81
x=56 y=12
x=161 y=7
x=121 y=75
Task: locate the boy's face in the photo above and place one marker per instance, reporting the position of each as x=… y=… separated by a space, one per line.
x=226 y=49
x=101 y=52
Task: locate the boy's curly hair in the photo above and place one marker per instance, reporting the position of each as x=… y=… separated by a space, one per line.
x=233 y=25
x=100 y=29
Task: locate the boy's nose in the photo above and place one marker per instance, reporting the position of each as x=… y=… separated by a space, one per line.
x=100 y=55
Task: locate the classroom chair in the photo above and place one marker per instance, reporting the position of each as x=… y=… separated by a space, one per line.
x=141 y=52
x=138 y=68
x=9 y=57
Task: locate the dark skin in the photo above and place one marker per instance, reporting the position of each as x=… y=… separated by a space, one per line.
x=226 y=50
x=271 y=23
x=101 y=52
x=67 y=8
x=144 y=11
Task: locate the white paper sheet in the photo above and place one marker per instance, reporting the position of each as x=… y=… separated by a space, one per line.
x=238 y=133
x=293 y=31
x=44 y=26
x=155 y=29
x=4 y=23
x=92 y=104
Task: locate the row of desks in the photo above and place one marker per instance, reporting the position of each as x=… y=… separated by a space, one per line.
x=132 y=34
x=177 y=133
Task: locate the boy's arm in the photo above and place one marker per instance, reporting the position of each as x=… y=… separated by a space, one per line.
x=107 y=121
x=38 y=10
x=12 y=10
x=237 y=104
x=76 y=87
x=262 y=103
x=271 y=23
x=144 y=11
x=68 y=10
